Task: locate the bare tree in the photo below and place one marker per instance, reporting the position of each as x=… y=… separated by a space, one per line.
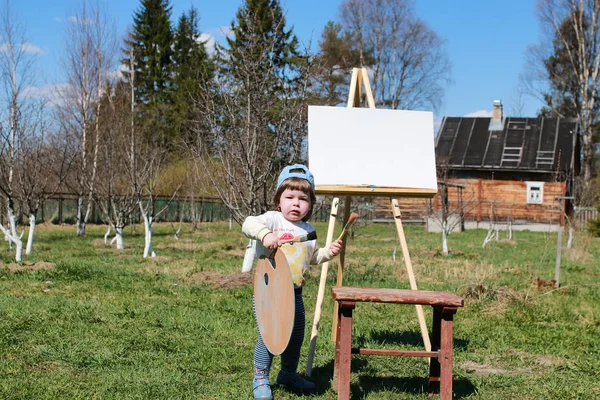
x=41 y=166
x=449 y=208
x=570 y=28
x=114 y=192
x=409 y=65
x=89 y=55
x=252 y=129
x=16 y=75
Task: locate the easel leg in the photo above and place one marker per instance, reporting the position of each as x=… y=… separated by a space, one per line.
x=321 y=293
x=409 y=269
x=340 y=272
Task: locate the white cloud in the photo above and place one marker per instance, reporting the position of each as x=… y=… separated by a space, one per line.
x=52 y=93
x=77 y=20
x=209 y=42
x=74 y=19
x=479 y=113
x=117 y=73
x=224 y=30
x=29 y=48
x=26 y=47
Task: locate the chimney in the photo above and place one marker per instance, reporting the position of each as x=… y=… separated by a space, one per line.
x=497 y=113
x=497 y=121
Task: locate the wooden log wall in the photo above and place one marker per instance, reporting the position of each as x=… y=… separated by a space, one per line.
x=502 y=199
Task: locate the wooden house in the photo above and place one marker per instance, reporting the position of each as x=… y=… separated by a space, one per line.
x=511 y=169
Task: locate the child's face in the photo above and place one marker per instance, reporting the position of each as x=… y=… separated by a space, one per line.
x=294 y=204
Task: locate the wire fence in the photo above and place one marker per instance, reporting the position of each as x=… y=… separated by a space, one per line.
x=63 y=210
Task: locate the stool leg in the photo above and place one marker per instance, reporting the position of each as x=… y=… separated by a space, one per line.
x=446 y=353
x=336 y=362
x=434 y=365
x=345 y=349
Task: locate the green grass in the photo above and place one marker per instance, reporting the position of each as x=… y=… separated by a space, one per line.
x=81 y=320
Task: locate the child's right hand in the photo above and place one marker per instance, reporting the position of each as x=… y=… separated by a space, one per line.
x=270 y=241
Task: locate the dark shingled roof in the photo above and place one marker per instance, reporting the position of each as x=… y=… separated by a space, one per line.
x=524 y=144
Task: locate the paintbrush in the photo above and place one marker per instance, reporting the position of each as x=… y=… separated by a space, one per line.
x=302 y=238
x=353 y=217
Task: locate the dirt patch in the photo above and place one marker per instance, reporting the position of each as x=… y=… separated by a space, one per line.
x=538 y=365
x=232 y=253
x=222 y=281
x=160 y=259
x=29 y=266
x=44 y=366
x=481 y=369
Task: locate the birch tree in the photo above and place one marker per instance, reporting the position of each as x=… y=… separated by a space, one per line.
x=89 y=56
x=567 y=62
x=17 y=73
x=409 y=66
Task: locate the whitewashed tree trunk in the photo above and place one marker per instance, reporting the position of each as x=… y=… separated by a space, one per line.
x=249 y=256
x=119 y=237
x=445 y=238
x=80 y=221
x=148 y=221
x=31 y=232
x=571 y=236
x=17 y=241
x=106 y=235
x=12 y=226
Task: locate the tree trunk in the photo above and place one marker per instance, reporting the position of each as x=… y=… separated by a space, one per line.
x=445 y=238
x=148 y=221
x=249 y=256
x=119 y=237
x=17 y=241
x=80 y=218
x=106 y=235
x=31 y=232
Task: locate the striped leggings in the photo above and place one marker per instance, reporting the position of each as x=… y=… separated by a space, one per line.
x=291 y=355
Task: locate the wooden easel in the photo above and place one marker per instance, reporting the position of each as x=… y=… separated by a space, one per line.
x=359 y=78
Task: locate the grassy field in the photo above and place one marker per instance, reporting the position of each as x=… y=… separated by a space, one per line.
x=81 y=320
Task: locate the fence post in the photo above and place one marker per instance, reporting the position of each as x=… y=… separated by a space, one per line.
x=60 y=211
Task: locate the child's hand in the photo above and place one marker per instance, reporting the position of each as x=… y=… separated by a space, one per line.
x=335 y=247
x=270 y=241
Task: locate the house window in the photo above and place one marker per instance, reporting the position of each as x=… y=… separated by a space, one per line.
x=535 y=192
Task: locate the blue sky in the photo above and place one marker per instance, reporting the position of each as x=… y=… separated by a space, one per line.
x=485 y=40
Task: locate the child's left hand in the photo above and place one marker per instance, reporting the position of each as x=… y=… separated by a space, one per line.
x=335 y=247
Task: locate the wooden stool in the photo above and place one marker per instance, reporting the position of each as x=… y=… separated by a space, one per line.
x=444 y=307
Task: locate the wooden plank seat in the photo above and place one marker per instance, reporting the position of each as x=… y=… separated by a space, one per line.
x=444 y=306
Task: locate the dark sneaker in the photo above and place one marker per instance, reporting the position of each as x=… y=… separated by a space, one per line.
x=261 y=388
x=293 y=381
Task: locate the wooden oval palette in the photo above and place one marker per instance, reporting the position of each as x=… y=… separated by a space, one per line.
x=274 y=301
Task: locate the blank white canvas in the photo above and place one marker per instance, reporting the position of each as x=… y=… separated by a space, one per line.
x=375 y=147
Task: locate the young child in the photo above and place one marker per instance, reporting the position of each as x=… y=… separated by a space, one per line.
x=295 y=198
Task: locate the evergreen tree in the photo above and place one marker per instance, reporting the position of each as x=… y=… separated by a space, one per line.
x=562 y=98
x=335 y=59
x=256 y=111
x=259 y=39
x=193 y=71
x=152 y=41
